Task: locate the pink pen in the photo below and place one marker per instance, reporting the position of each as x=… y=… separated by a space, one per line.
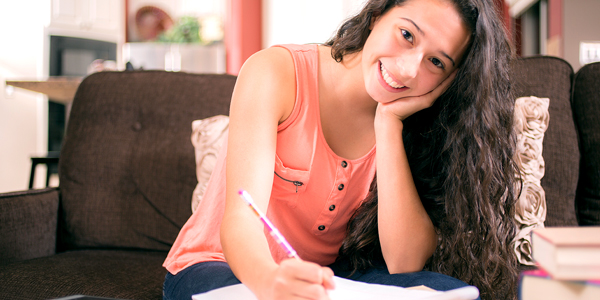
x=272 y=229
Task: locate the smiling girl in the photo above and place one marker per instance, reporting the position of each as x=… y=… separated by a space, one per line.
x=385 y=152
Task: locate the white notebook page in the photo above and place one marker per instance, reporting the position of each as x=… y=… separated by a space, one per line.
x=352 y=290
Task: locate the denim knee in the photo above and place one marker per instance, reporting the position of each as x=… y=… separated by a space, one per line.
x=196 y=279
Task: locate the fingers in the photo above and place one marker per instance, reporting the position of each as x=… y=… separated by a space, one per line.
x=404 y=107
x=303 y=270
x=445 y=84
x=305 y=280
x=439 y=90
x=328 y=278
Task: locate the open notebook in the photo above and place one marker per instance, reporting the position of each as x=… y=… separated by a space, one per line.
x=353 y=290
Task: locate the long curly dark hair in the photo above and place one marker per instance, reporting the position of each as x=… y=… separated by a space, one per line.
x=461 y=156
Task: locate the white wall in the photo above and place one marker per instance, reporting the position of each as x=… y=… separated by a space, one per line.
x=302 y=22
x=581 y=23
x=22 y=114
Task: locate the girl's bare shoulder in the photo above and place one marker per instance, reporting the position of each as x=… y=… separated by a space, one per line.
x=268 y=79
x=273 y=61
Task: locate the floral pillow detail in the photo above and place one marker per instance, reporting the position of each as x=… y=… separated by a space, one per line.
x=207 y=137
x=531 y=122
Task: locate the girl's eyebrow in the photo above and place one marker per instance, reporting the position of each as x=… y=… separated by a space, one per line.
x=415 y=24
x=450 y=58
x=423 y=33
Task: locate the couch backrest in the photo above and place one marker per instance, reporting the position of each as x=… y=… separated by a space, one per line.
x=127 y=168
x=586 y=108
x=550 y=77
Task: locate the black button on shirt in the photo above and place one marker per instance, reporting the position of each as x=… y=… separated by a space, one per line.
x=322 y=227
x=341 y=186
x=344 y=164
x=332 y=207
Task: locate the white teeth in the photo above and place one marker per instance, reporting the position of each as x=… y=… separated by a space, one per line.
x=389 y=79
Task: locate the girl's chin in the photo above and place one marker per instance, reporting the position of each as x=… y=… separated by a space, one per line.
x=384 y=101
x=382 y=98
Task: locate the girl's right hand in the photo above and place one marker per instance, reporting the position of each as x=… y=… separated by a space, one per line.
x=402 y=108
x=297 y=279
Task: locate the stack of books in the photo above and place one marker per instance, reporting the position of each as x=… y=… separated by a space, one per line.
x=568 y=260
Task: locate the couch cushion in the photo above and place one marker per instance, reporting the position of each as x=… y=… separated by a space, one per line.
x=207 y=137
x=127 y=168
x=28 y=223
x=114 y=274
x=586 y=107
x=549 y=77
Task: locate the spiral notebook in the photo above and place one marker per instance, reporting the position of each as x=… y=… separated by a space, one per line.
x=353 y=290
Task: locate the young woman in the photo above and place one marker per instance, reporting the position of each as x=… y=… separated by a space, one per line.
x=424 y=80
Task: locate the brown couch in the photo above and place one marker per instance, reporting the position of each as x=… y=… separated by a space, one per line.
x=127 y=173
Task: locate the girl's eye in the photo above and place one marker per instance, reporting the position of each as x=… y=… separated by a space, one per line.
x=438 y=63
x=407 y=35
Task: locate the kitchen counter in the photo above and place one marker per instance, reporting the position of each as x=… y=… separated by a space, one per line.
x=59 y=89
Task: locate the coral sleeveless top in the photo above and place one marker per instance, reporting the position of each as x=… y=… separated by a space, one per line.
x=314 y=194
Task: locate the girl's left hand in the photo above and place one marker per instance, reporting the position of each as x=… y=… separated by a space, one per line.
x=402 y=108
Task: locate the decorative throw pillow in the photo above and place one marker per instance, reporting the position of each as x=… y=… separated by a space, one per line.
x=531 y=122
x=207 y=137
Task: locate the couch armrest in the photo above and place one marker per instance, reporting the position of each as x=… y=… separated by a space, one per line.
x=28 y=224
x=586 y=107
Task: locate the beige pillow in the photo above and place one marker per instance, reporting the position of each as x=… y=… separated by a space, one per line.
x=531 y=122
x=207 y=137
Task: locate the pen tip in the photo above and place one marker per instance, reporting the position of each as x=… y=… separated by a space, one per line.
x=240 y=192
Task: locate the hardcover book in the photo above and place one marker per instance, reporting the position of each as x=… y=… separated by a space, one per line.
x=539 y=285
x=568 y=253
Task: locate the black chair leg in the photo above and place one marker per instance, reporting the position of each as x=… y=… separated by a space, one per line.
x=32 y=174
x=47 y=174
x=51 y=160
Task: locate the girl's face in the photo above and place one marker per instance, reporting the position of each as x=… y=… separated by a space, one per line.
x=412 y=48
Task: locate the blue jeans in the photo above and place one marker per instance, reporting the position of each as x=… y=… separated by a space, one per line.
x=206 y=276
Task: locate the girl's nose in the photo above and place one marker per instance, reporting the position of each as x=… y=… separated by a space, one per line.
x=409 y=64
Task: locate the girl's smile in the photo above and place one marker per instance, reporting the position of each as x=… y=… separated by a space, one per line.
x=389 y=82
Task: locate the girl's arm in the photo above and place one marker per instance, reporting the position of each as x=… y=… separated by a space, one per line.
x=263 y=97
x=406 y=233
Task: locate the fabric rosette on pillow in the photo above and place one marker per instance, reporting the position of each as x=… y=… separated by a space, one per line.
x=531 y=207
x=531 y=116
x=523 y=245
x=530 y=124
x=529 y=158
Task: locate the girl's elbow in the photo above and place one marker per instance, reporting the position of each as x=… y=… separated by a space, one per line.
x=397 y=266
x=411 y=261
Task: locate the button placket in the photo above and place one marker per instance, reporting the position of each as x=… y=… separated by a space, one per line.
x=345 y=174
x=330 y=211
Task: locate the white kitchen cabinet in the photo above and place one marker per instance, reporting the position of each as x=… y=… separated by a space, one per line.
x=96 y=17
